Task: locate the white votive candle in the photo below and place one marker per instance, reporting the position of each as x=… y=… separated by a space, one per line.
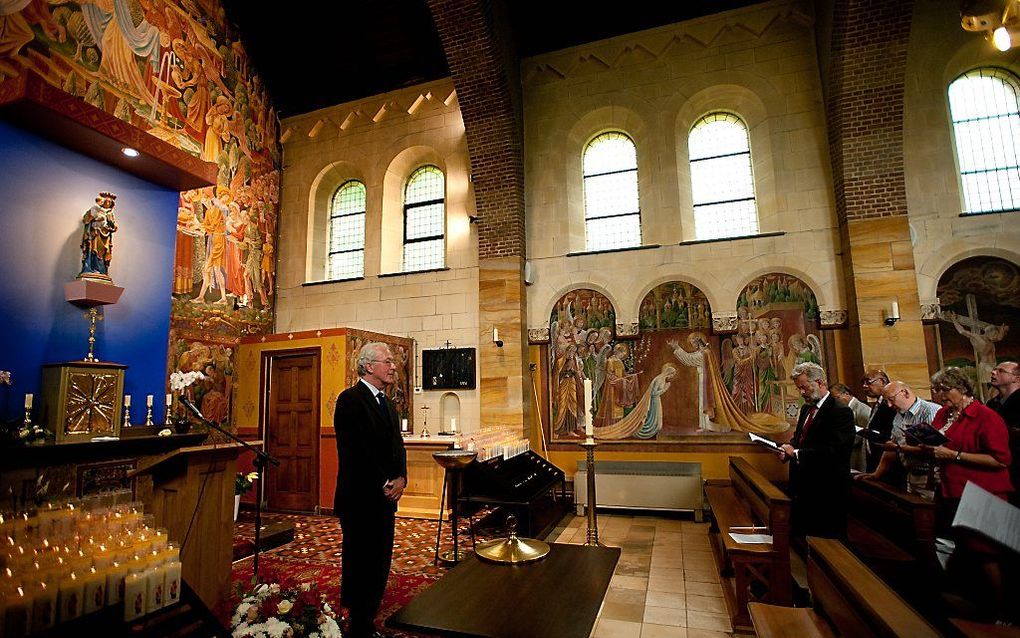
x=589 y=430
x=127 y=400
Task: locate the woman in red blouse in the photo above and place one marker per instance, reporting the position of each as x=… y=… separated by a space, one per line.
x=977 y=451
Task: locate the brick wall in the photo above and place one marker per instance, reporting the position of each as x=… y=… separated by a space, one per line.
x=868 y=54
x=485 y=73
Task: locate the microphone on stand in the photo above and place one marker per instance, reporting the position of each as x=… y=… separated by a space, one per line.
x=192 y=408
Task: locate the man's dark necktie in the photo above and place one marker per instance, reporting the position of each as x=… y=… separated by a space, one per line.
x=381 y=398
x=807 y=422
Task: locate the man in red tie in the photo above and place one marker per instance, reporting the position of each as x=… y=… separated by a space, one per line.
x=819 y=455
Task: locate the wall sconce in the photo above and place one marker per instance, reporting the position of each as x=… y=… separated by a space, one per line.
x=495 y=338
x=893 y=314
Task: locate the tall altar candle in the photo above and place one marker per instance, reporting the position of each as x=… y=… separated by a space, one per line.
x=403 y=425
x=169 y=400
x=453 y=424
x=28 y=401
x=127 y=400
x=148 y=400
x=589 y=430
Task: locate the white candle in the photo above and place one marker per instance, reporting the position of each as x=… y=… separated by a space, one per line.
x=403 y=425
x=588 y=429
x=148 y=400
x=28 y=401
x=127 y=400
x=172 y=591
x=495 y=334
x=169 y=400
x=453 y=424
x=94 y=597
x=135 y=585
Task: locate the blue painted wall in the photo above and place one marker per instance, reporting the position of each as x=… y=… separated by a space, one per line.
x=44 y=191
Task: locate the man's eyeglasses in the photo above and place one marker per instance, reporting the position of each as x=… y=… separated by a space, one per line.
x=872 y=380
x=892 y=397
x=388 y=362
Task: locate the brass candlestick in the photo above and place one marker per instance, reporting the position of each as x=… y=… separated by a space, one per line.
x=592 y=538
x=148 y=416
x=425 y=422
x=127 y=416
x=167 y=421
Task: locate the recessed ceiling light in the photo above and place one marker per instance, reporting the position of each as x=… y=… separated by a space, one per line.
x=130 y=152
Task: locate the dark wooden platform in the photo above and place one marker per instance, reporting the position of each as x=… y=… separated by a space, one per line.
x=558 y=596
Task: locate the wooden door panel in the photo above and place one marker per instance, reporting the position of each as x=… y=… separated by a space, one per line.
x=292 y=431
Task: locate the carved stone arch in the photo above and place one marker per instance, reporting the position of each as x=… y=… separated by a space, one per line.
x=624 y=118
x=670 y=305
x=390 y=227
x=320 y=194
x=550 y=303
x=737 y=283
x=634 y=305
x=931 y=271
x=750 y=98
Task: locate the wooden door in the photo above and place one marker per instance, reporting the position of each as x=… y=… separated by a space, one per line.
x=292 y=430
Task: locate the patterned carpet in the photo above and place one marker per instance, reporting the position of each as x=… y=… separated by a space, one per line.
x=314 y=555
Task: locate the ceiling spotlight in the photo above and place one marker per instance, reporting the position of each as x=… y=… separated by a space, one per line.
x=1004 y=38
x=130 y=152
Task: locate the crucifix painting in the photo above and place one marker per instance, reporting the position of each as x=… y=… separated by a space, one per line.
x=980 y=302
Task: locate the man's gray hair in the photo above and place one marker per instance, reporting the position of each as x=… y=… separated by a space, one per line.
x=813 y=371
x=367 y=353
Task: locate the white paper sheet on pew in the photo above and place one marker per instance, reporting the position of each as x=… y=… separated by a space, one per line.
x=752 y=539
x=984 y=512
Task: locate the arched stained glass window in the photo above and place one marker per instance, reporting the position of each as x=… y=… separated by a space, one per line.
x=347 y=232
x=721 y=180
x=986 y=124
x=424 y=220
x=612 y=214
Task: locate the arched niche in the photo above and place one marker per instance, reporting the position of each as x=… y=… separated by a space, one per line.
x=449 y=408
x=978 y=324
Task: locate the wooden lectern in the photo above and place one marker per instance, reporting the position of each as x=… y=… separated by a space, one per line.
x=193 y=498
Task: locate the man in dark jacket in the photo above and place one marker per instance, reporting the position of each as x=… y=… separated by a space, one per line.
x=819 y=455
x=371 y=478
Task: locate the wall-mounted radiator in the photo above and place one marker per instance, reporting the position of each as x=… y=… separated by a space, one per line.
x=649 y=485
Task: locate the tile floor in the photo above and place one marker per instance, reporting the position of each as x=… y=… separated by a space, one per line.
x=666 y=584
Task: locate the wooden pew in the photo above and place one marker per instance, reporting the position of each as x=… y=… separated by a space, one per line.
x=894 y=533
x=849 y=600
x=759 y=572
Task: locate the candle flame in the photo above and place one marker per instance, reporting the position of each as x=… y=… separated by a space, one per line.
x=21 y=592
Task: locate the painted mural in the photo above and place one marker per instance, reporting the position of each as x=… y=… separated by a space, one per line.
x=403 y=351
x=777 y=328
x=979 y=323
x=678 y=379
x=213 y=392
x=175 y=70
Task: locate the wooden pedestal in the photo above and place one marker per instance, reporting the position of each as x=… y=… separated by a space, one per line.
x=193 y=498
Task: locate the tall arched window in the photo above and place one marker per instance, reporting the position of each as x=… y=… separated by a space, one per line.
x=347 y=232
x=612 y=214
x=424 y=220
x=721 y=181
x=986 y=123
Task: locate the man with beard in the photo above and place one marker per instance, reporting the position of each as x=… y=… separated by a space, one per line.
x=819 y=455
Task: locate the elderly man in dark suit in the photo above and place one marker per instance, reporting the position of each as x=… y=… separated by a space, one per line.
x=371 y=479
x=819 y=453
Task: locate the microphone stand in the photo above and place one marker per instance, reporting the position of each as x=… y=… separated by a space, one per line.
x=261 y=459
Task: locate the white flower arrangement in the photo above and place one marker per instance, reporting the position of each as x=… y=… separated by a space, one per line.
x=275 y=611
x=181 y=380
